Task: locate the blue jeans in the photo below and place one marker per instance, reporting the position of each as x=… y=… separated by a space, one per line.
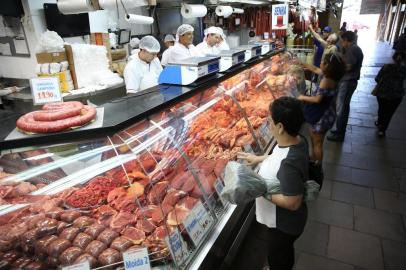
x=345 y=91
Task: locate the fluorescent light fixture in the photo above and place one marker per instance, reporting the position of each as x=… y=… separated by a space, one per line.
x=252 y=2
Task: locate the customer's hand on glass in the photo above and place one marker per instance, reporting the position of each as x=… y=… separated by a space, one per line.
x=251 y=159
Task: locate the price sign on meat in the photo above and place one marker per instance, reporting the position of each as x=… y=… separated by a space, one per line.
x=79 y=266
x=45 y=90
x=177 y=247
x=197 y=223
x=218 y=186
x=136 y=259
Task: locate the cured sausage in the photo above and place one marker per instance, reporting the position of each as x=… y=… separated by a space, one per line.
x=58 y=111
x=29 y=124
x=62 y=105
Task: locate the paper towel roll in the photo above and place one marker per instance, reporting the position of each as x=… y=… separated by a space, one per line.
x=138 y=19
x=224 y=11
x=193 y=11
x=238 y=11
x=74 y=6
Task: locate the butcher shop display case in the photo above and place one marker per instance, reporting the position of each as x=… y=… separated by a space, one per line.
x=150 y=188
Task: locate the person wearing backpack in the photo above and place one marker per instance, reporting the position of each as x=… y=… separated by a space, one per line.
x=390 y=89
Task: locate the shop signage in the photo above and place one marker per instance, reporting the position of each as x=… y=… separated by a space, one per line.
x=177 y=247
x=79 y=266
x=197 y=223
x=45 y=90
x=136 y=259
x=280 y=16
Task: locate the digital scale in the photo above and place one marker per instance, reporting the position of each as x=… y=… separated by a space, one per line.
x=251 y=51
x=266 y=46
x=190 y=70
x=231 y=58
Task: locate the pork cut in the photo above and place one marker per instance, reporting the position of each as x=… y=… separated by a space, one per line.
x=122 y=220
x=145 y=225
x=136 y=236
x=173 y=196
x=157 y=192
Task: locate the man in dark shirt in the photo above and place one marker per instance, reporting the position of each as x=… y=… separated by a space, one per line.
x=353 y=57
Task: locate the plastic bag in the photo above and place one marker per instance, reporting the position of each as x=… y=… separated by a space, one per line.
x=50 y=41
x=312 y=189
x=242 y=184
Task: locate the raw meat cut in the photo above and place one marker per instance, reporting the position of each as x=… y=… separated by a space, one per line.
x=121 y=244
x=157 y=192
x=207 y=182
x=83 y=222
x=41 y=246
x=94 y=230
x=70 y=215
x=28 y=240
x=70 y=255
x=189 y=184
x=180 y=179
x=219 y=168
x=133 y=234
x=104 y=215
x=121 y=220
x=109 y=256
x=107 y=236
x=56 y=247
x=173 y=196
x=146 y=225
x=82 y=240
x=148 y=210
x=95 y=248
x=160 y=233
x=177 y=216
x=61 y=226
x=69 y=233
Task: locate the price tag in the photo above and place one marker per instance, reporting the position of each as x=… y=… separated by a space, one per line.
x=218 y=186
x=177 y=247
x=45 y=90
x=79 y=266
x=198 y=223
x=136 y=259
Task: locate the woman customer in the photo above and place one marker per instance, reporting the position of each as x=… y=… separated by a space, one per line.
x=319 y=108
x=390 y=90
x=280 y=220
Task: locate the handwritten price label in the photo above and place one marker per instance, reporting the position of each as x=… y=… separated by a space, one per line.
x=45 y=90
x=136 y=259
x=79 y=266
x=177 y=247
x=198 y=223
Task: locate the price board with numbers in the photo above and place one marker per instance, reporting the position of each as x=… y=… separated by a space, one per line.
x=177 y=247
x=136 y=259
x=45 y=90
x=198 y=223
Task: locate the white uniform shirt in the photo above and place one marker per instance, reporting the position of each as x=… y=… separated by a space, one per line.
x=223 y=46
x=208 y=50
x=165 y=56
x=179 y=52
x=140 y=75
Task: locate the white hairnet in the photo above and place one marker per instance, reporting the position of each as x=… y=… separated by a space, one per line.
x=150 y=44
x=183 y=29
x=213 y=30
x=223 y=36
x=169 y=38
x=134 y=42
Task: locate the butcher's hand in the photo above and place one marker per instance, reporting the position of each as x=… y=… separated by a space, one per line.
x=251 y=159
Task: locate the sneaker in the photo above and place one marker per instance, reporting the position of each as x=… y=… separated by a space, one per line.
x=335 y=138
x=381 y=134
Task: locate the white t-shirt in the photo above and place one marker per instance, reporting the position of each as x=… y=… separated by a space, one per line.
x=223 y=46
x=140 y=75
x=165 y=56
x=208 y=50
x=179 y=52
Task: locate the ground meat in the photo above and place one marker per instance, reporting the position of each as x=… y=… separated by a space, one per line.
x=82 y=240
x=121 y=244
x=56 y=247
x=69 y=233
x=95 y=248
x=94 y=230
x=107 y=236
x=41 y=246
x=109 y=256
x=69 y=216
x=69 y=256
x=87 y=257
x=83 y=222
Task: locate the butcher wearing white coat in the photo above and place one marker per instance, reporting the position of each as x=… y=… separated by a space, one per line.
x=143 y=70
x=183 y=47
x=210 y=41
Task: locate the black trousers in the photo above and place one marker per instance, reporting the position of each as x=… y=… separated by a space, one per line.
x=266 y=246
x=386 y=109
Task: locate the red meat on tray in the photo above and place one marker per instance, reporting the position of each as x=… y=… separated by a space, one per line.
x=70 y=215
x=95 y=248
x=83 y=222
x=94 y=230
x=107 y=236
x=69 y=233
x=109 y=256
x=104 y=215
x=70 y=255
x=145 y=225
x=122 y=220
x=56 y=247
x=41 y=246
x=157 y=192
x=121 y=244
x=136 y=236
x=82 y=240
x=173 y=196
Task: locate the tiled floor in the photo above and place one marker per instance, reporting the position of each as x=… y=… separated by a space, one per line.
x=359 y=220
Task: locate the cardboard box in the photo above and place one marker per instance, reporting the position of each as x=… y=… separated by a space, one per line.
x=69 y=55
x=54 y=57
